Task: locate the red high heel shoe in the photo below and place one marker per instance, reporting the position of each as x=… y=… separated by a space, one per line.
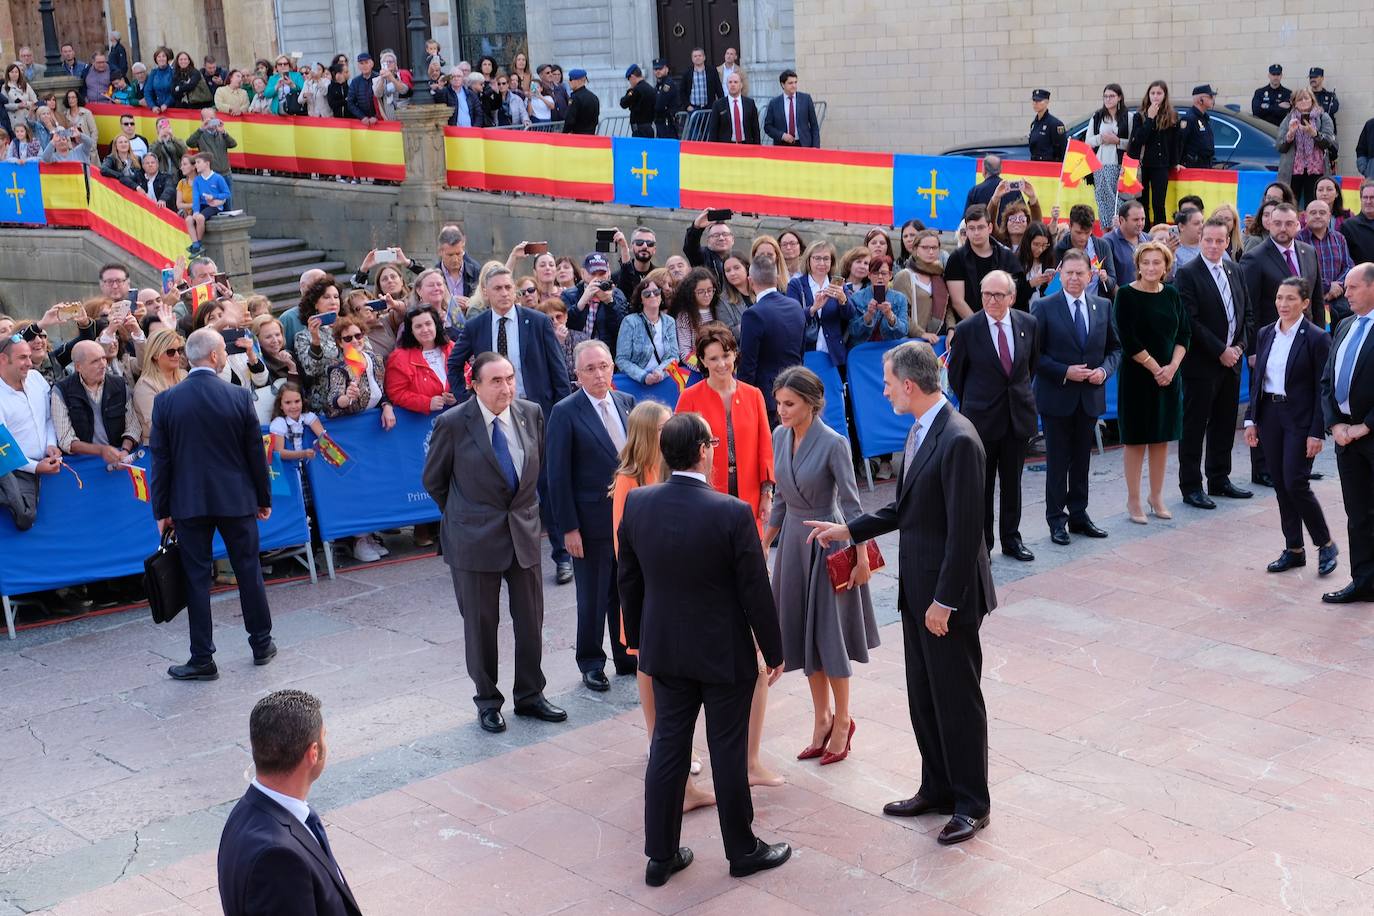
x=810 y=753
x=828 y=758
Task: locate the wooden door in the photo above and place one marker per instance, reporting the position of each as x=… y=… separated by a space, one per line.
x=386 y=28
x=81 y=22
x=712 y=25
x=215 y=42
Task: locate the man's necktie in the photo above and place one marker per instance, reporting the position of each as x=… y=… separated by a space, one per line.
x=612 y=427
x=1352 y=355
x=501 y=447
x=1292 y=264
x=792 y=117
x=739 y=125
x=909 y=453
x=1080 y=323
x=1224 y=287
x=1004 y=349
x=501 y=336
x=316 y=826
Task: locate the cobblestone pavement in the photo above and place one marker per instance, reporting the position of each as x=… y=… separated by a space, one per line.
x=1172 y=730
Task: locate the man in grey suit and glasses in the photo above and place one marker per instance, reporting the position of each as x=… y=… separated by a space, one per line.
x=944 y=588
x=483 y=469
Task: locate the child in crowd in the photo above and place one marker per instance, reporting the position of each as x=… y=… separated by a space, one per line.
x=188 y=172
x=258 y=305
x=209 y=198
x=121 y=93
x=434 y=52
x=290 y=420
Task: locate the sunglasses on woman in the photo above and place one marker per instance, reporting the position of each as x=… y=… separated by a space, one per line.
x=651 y=292
x=529 y=291
x=350 y=338
x=172 y=351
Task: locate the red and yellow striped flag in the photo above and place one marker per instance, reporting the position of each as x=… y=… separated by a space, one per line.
x=678 y=374
x=201 y=294
x=139 y=478
x=354 y=360
x=330 y=451
x=1079 y=162
x=1129 y=183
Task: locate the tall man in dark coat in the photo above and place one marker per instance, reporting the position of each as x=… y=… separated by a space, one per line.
x=666 y=101
x=791 y=116
x=699 y=86
x=639 y=100
x=994 y=353
x=1078 y=353
x=735 y=118
x=209 y=473
x=944 y=589
x=584 y=108
x=696 y=604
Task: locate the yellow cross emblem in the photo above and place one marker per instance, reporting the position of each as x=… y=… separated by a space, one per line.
x=17 y=193
x=644 y=173
x=934 y=192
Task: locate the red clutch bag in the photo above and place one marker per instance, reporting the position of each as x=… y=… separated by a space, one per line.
x=840 y=564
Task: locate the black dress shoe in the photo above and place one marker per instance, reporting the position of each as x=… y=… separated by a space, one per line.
x=1230 y=491
x=1355 y=591
x=658 y=871
x=916 y=806
x=1017 y=551
x=542 y=709
x=1085 y=526
x=961 y=827
x=1288 y=560
x=491 y=720
x=1326 y=559
x=1059 y=535
x=190 y=672
x=596 y=680
x=762 y=858
x=1198 y=500
x=564 y=575
x=1315 y=475
x=266 y=655
x=1263 y=480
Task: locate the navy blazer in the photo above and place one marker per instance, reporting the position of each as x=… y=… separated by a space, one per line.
x=1055 y=396
x=997 y=406
x=543 y=371
x=269 y=862
x=1264 y=268
x=1302 y=378
x=808 y=126
x=206 y=446
x=581 y=462
x=833 y=320
x=770 y=340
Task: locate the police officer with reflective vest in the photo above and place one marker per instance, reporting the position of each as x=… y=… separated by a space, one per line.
x=1048 y=139
x=1272 y=102
x=639 y=100
x=665 y=101
x=1326 y=101
x=1196 y=144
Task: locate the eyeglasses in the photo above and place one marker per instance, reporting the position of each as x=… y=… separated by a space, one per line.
x=652 y=292
x=644 y=243
x=989 y=294
x=713 y=442
x=172 y=351
x=529 y=290
x=350 y=338
x=126 y=123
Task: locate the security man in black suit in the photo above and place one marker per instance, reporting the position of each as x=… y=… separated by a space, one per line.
x=1218 y=304
x=1048 y=139
x=1197 y=146
x=640 y=101
x=665 y=101
x=735 y=118
x=1327 y=102
x=994 y=354
x=1272 y=102
x=584 y=108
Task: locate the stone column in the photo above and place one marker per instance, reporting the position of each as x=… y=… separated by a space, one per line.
x=226 y=243
x=417 y=215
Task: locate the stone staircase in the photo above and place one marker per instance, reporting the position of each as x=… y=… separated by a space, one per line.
x=277 y=265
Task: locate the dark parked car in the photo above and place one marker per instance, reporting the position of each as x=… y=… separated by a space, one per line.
x=1242 y=142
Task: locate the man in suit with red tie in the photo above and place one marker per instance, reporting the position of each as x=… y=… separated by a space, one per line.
x=791 y=117
x=735 y=117
x=990 y=364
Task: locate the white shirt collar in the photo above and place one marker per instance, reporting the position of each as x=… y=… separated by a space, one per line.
x=488 y=416
x=1281 y=248
x=763 y=292
x=1291 y=332
x=295 y=806
x=993 y=322
x=597 y=402
x=692 y=474
x=927 y=419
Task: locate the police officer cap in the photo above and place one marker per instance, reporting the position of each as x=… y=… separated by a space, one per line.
x=578 y=74
x=660 y=63
x=1040 y=95
x=1204 y=89
x=1315 y=72
x=633 y=70
x=1276 y=69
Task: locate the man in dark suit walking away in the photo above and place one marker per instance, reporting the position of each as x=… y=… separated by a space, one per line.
x=483 y=471
x=587 y=430
x=274 y=854
x=1214 y=292
x=1078 y=353
x=944 y=589
x=696 y=603
x=209 y=473
x=990 y=364
x=791 y=117
x=770 y=333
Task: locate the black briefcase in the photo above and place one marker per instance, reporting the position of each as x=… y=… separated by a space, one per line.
x=164 y=581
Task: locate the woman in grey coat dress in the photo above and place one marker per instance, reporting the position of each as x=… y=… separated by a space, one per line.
x=822 y=630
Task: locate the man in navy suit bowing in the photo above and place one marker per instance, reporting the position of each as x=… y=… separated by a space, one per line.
x=791 y=117
x=1078 y=353
x=274 y=854
x=209 y=473
x=525 y=338
x=587 y=430
x=770 y=333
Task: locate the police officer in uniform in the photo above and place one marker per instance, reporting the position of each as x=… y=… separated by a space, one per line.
x=1272 y=102
x=639 y=100
x=1327 y=102
x=584 y=108
x=1048 y=140
x=1196 y=144
x=665 y=101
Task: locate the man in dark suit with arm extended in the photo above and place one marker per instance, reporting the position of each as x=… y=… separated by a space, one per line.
x=482 y=468
x=696 y=604
x=791 y=117
x=990 y=364
x=1348 y=405
x=770 y=333
x=274 y=854
x=1218 y=302
x=209 y=473
x=735 y=118
x=1078 y=353
x=944 y=589
x=587 y=430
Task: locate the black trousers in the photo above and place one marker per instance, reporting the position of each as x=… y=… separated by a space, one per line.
x=1210 y=400
x=1006 y=458
x=1155 y=187
x=642 y=130
x=19 y=496
x=677 y=701
x=240 y=535
x=479 y=602
x=1285 y=451
x=1068 y=451
x=947 y=711
x=1356 y=465
x=598 y=604
x=1305 y=188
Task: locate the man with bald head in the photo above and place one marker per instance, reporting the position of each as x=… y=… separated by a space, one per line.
x=92 y=410
x=1333 y=258
x=994 y=354
x=735 y=118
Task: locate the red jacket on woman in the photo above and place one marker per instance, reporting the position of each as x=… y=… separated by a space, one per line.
x=410 y=382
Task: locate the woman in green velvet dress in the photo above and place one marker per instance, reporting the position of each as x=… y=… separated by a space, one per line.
x=1154 y=331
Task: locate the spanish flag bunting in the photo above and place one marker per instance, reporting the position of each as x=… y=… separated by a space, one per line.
x=1079 y=162
x=354 y=360
x=334 y=456
x=1129 y=183
x=678 y=374
x=139 y=478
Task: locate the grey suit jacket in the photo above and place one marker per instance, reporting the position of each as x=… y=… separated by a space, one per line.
x=485 y=526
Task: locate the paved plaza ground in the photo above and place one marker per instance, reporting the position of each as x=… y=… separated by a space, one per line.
x=1172 y=731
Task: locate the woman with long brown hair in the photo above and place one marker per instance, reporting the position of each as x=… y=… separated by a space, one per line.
x=1154 y=141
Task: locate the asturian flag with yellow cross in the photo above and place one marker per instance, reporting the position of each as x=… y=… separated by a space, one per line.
x=646 y=172
x=22 y=200
x=931 y=189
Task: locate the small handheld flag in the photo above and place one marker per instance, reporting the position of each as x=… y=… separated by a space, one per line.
x=330 y=451
x=1079 y=162
x=353 y=358
x=139 y=478
x=1129 y=183
x=12 y=457
x=201 y=294
x=276 y=471
x=678 y=374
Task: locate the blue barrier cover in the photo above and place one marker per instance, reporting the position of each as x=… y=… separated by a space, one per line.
x=833 y=414
x=665 y=392
x=881 y=431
